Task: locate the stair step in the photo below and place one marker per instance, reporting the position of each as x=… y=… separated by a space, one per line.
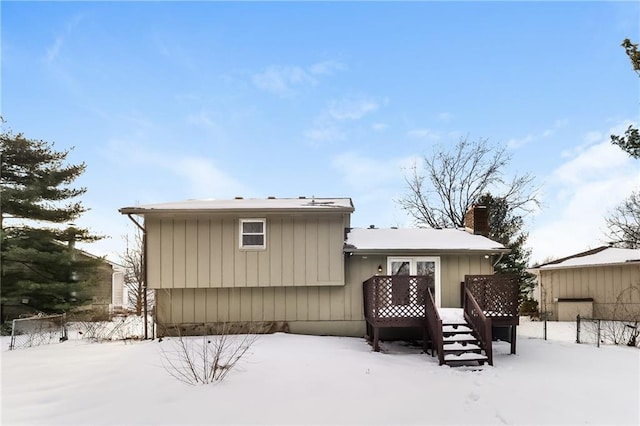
x=467 y=356
x=461 y=347
x=451 y=315
x=455 y=329
x=466 y=337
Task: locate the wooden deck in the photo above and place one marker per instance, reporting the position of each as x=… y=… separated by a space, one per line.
x=408 y=301
x=395 y=301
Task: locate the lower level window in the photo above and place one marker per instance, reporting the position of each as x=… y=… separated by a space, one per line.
x=253 y=233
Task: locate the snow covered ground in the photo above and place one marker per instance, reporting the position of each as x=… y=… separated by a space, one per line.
x=293 y=379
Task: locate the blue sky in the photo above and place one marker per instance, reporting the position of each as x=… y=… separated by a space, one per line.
x=167 y=101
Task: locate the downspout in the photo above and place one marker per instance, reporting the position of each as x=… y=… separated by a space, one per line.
x=494 y=263
x=144 y=274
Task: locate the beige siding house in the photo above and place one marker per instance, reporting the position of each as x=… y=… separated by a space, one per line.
x=292 y=264
x=600 y=283
x=107 y=293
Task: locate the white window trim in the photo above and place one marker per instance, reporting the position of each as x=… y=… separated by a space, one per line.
x=414 y=270
x=264 y=234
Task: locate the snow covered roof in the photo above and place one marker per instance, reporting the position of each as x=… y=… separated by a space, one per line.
x=419 y=239
x=601 y=256
x=245 y=204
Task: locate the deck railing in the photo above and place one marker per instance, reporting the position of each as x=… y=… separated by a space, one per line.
x=391 y=299
x=434 y=325
x=395 y=301
x=497 y=295
x=480 y=323
x=497 y=299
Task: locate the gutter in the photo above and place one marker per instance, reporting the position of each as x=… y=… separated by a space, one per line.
x=235 y=210
x=144 y=274
x=429 y=251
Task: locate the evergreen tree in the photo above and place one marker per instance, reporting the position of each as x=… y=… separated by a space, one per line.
x=505 y=226
x=39 y=265
x=630 y=142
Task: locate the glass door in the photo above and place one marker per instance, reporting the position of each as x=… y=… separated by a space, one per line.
x=422 y=266
x=398 y=266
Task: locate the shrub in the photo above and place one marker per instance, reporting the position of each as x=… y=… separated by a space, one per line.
x=205 y=359
x=528 y=306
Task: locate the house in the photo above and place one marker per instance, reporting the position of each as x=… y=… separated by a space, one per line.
x=600 y=283
x=103 y=291
x=295 y=264
x=107 y=293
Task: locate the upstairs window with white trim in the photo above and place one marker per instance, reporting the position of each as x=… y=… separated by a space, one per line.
x=253 y=234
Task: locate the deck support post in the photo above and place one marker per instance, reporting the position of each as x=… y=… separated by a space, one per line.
x=376 y=338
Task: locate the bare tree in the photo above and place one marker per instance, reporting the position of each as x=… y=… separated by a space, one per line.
x=623 y=222
x=458 y=178
x=132 y=260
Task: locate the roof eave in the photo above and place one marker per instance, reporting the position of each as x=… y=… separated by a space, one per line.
x=143 y=211
x=595 y=265
x=387 y=251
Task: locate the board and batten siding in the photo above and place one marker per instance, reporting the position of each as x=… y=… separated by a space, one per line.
x=602 y=283
x=306 y=309
x=327 y=310
x=302 y=278
x=204 y=252
x=453 y=269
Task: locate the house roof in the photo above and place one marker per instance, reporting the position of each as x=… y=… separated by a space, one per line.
x=363 y=240
x=89 y=255
x=245 y=204
x=604 y=255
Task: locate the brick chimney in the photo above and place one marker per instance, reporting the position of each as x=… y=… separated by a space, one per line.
x=476 y=220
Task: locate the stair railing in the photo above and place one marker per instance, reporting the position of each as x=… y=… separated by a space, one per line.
x=434 y=324
x=480 y=323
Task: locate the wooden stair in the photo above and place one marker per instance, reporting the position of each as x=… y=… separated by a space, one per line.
x=460 y=346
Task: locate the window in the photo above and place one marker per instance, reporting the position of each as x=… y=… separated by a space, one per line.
x=429 y=266
x=253 y=233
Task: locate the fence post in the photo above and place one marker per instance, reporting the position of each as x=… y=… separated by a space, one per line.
x=598 y=334
x=12 y=344
x=578 y=328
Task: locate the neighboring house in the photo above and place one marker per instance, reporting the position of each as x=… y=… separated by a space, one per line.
x=107 y=292
x=104 y=294
x=293 y=264
x=600 y=283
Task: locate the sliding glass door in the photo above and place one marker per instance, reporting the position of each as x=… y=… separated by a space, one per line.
x=424 y=266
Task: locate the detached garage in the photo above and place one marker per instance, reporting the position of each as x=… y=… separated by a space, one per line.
x=600 y=283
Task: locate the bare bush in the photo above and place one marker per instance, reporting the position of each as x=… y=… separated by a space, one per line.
x=117 y=328
x=611 y=332
x=619 y=324
x=205 y=359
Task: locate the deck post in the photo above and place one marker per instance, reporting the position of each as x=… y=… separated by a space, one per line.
x=376 y=337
